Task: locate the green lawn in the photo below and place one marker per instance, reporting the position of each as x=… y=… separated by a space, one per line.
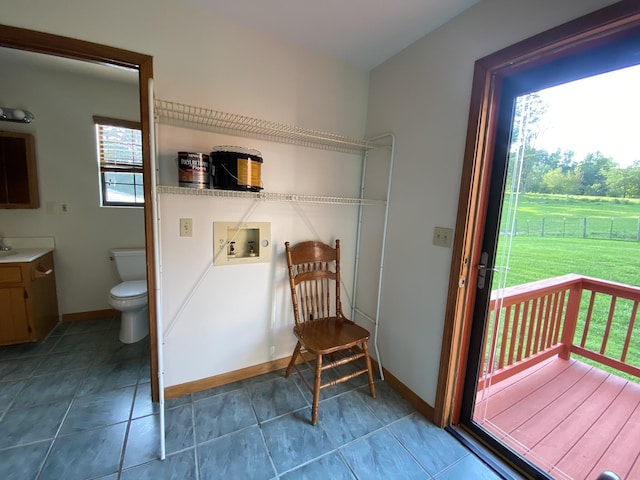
x=573 y=216
x=536 y=258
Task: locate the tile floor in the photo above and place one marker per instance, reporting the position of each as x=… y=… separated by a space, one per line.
x=77 y=406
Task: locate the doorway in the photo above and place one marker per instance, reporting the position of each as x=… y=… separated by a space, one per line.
x=603 y=41
x=562 y=218
x=57 y=46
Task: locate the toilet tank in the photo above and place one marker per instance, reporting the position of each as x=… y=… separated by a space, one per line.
x=130 y=263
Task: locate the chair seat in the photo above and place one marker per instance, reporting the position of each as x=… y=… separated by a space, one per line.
x=327 y=335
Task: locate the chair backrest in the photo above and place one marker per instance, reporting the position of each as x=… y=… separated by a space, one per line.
x=314 y=277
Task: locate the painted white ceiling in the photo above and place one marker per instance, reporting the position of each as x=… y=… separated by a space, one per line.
x=362 y=33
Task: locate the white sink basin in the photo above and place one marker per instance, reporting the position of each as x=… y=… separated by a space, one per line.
x=6 y=253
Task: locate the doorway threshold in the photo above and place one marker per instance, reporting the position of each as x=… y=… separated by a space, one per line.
x=492 y=460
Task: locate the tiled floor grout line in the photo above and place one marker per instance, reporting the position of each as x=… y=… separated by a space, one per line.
x=196 y=458
x=264 y=442
x=53 y=440
x=128 y=429
x=404 y=447
x=64 y=418
x=259 y=425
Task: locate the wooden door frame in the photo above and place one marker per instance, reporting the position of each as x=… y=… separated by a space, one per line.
x=22 y=39
x=609 y=24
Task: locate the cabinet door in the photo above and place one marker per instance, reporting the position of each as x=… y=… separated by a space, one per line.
x=14 y=326
x=43 y=299
x=18 y=178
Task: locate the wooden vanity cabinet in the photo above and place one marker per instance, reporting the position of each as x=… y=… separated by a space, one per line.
x=18 y=177
x=28 y=301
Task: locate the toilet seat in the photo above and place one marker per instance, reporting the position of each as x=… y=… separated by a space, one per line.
x=131 y=290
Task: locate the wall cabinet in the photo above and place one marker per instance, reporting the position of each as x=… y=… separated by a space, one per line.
x=28 y=301
x=18 y=177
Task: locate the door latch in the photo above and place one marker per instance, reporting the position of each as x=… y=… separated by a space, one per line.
x=482 y=270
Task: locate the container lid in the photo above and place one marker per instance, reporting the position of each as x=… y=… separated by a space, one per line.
x=132 y=288
x=193 y=154
x=232 y=149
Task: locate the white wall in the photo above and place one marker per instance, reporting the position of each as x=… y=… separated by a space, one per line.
x=422 y=94
x=64 y=104
x=237 y=317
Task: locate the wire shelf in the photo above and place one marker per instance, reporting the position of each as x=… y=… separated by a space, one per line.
x=270 y=196
x=179 y=114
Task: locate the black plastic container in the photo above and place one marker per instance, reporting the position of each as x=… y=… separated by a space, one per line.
x=236 y=168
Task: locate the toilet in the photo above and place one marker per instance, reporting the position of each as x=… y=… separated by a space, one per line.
x=130 y=296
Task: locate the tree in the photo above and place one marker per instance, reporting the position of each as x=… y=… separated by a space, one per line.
x=523 y=157
x=595 y=168
x=564 y=182
x=624 y=182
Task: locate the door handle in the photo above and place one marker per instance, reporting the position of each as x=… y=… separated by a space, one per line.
x=482 y=270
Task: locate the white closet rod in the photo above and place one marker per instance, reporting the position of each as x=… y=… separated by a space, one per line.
x=376 y=319
x=157 y=268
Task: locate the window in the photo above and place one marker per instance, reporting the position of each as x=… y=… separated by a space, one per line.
x=120 y=161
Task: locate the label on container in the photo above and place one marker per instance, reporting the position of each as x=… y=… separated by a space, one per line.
x=249 y=172
x=193 y=169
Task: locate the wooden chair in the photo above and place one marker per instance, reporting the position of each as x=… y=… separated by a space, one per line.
x=320 y=326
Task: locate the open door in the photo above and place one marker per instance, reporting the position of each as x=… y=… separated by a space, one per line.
x=604 y=41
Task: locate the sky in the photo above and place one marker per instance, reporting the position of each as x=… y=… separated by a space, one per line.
x=596 y=113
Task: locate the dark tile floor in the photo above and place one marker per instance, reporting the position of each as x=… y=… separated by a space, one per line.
x=77 y=406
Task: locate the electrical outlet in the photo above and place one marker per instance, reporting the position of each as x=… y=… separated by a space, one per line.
x=442 y=236
x=186 y=227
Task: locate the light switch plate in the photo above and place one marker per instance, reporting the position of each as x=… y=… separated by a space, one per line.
x=442 y=236
x=186 y=227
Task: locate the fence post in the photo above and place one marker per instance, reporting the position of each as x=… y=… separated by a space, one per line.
x=584 y=227
x=611 y=229
x=564 y=226
x=542 y=228
x=638 y=234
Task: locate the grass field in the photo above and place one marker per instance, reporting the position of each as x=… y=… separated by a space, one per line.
x=576 y=216
x=536 y=258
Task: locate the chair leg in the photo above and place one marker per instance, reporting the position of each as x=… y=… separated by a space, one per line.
x=292 y=362
x=316 y=390
x=367 y=360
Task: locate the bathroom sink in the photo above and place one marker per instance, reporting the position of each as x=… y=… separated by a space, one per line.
x=6 y=253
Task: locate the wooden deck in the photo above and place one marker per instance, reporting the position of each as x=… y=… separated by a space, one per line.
x=569 y=418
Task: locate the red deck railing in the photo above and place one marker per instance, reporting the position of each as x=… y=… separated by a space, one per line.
x=559 y=316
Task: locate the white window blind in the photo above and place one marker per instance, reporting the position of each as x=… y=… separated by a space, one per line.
x=120 y=160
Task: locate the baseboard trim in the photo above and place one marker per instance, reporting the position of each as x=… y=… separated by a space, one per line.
x=426 y=410
x=92 y=315
x=175 y=391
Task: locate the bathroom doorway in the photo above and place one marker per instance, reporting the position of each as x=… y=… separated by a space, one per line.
x=140 y=66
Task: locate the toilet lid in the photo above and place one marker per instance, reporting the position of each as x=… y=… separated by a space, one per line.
x=133 y=288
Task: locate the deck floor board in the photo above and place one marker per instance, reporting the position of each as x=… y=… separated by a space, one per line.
x=572 y=419
x=627 y=438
